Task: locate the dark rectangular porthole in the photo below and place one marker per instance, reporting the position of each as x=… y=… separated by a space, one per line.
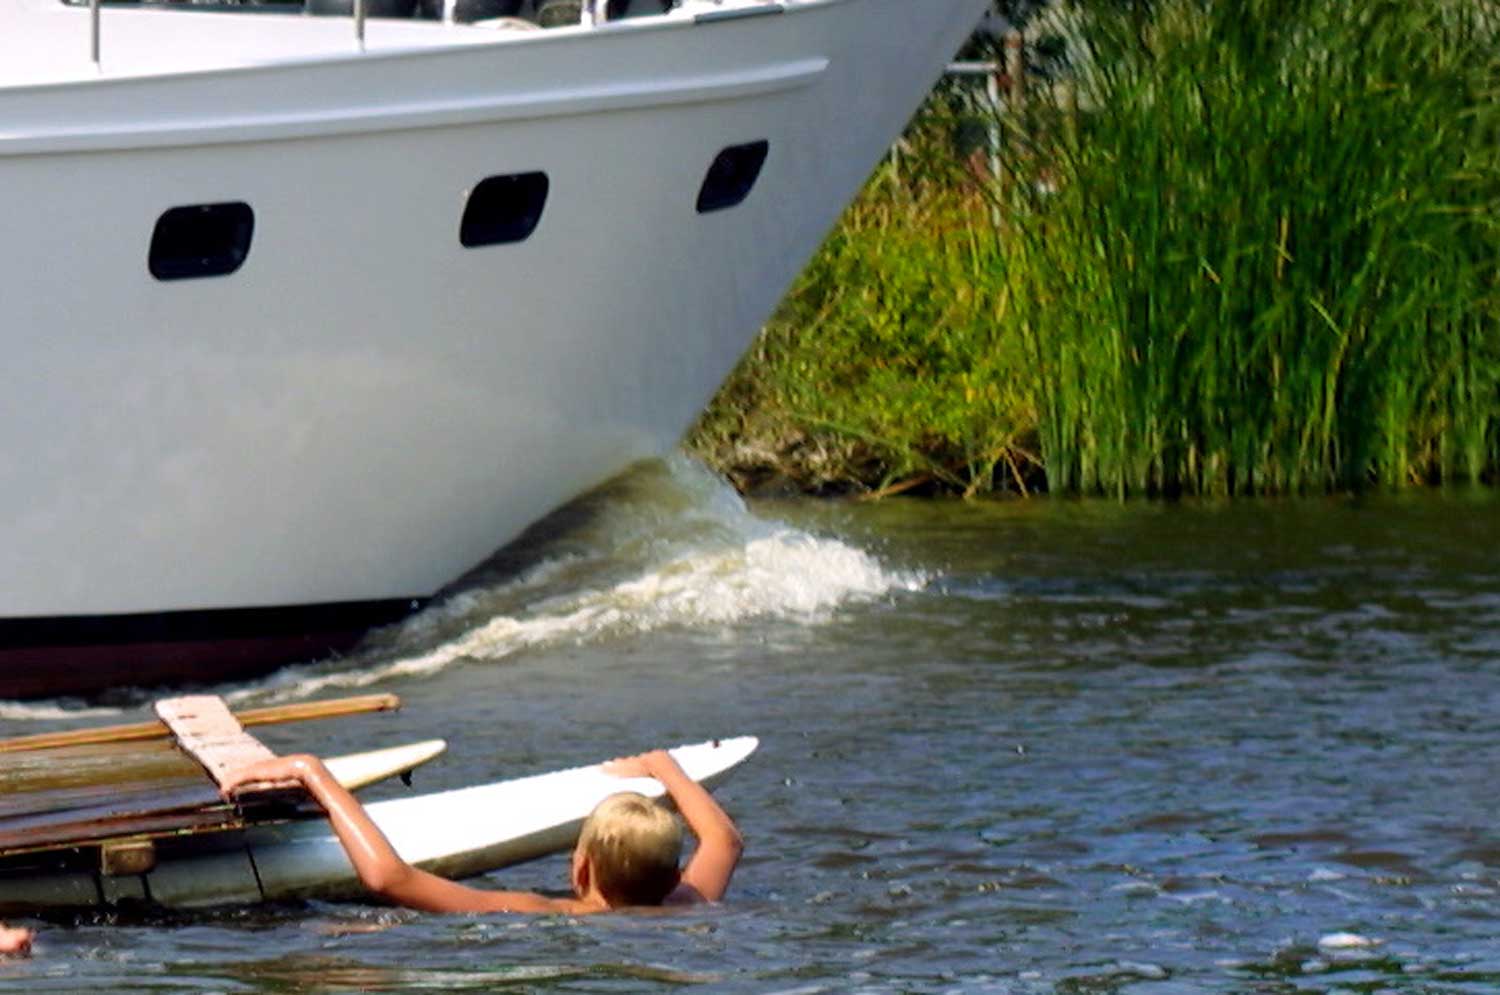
x=504 y=209
x=201 y=240
x=732 y=176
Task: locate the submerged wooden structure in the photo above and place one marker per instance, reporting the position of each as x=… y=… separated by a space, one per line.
x=102 y=799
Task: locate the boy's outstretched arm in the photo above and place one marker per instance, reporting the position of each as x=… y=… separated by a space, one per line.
x=720 y=844
x=377 y=863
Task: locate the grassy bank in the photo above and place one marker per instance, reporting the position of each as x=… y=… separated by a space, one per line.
x=1253 y=248
x=893 y=362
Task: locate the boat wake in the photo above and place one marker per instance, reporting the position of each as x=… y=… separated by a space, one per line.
x=28 y=711
x=667 y=545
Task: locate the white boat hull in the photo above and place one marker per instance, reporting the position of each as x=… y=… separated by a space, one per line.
x=366 y=408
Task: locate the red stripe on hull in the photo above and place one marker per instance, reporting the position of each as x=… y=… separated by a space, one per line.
x=56 y=671
x=86 y=657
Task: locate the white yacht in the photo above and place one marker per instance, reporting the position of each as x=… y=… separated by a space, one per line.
x=303 y=314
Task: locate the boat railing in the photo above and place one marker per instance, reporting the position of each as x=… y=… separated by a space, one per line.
x=591 y=14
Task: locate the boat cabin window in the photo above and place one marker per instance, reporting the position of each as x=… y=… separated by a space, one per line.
x=732 y=176
x=542 y=13
x=201 y=240
x=234 y=6
x=504 y=209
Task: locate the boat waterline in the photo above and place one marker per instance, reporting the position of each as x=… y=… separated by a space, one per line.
x=73 y=656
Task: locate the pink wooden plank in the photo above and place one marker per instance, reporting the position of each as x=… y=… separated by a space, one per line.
x=206 y=730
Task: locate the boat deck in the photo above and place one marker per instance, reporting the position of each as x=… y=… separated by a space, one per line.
x=46 y=42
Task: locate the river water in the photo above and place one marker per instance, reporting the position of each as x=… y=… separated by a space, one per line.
x=1044 y=747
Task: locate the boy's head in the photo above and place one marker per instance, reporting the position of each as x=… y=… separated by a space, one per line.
x=628 y=849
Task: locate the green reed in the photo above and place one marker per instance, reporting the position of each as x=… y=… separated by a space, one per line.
x=1253 y=247
x=893 y=362
x=1249 y=246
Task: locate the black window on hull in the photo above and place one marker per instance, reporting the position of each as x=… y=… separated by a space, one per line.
x=732 y=176
x=200 y=240
x=503 y=210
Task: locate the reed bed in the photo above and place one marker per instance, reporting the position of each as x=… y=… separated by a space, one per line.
x=892 y=365
x=1233 y=247
x=1255 y=247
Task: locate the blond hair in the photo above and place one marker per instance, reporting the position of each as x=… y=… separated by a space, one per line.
x=633 y=845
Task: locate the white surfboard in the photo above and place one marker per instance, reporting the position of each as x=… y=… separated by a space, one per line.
x=360 y=770
x=454 y=833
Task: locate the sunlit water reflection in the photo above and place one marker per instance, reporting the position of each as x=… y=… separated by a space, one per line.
x=1014 y=748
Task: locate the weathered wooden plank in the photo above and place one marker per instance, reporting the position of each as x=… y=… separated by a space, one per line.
x=101 y=764
x=88 y=793
x=94 y=796
x=195 y=808
x=85 y=831
x=207 y=731
x=155 y=730
x=116 y=817
x=76 y=794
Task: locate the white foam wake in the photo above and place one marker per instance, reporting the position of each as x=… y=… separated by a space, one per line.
x=673 y=546
x=20 y=711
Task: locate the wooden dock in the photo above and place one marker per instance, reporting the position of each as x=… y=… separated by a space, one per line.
x=116 y=788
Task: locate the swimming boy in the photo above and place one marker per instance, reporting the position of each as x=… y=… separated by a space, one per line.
x=627 y=852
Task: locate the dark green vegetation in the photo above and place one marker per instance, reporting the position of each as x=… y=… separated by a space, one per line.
x=1250 y=246
x=895 y=358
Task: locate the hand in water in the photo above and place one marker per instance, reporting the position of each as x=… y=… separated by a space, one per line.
x=15 y=942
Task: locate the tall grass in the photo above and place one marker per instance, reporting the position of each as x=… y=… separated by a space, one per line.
x=1256 y=249
x=1252 y=247
x=893 y=363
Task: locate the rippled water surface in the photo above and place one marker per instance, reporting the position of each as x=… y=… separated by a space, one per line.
x=1029 y=748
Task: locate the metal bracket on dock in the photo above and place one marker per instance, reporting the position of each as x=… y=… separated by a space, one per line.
x=127 y=857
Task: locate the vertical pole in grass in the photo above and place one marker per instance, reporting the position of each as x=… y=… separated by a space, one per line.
x=1015 y=98
x=992 y=94
x=997 y=169
x=1015 y=70
x=1070 y=113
